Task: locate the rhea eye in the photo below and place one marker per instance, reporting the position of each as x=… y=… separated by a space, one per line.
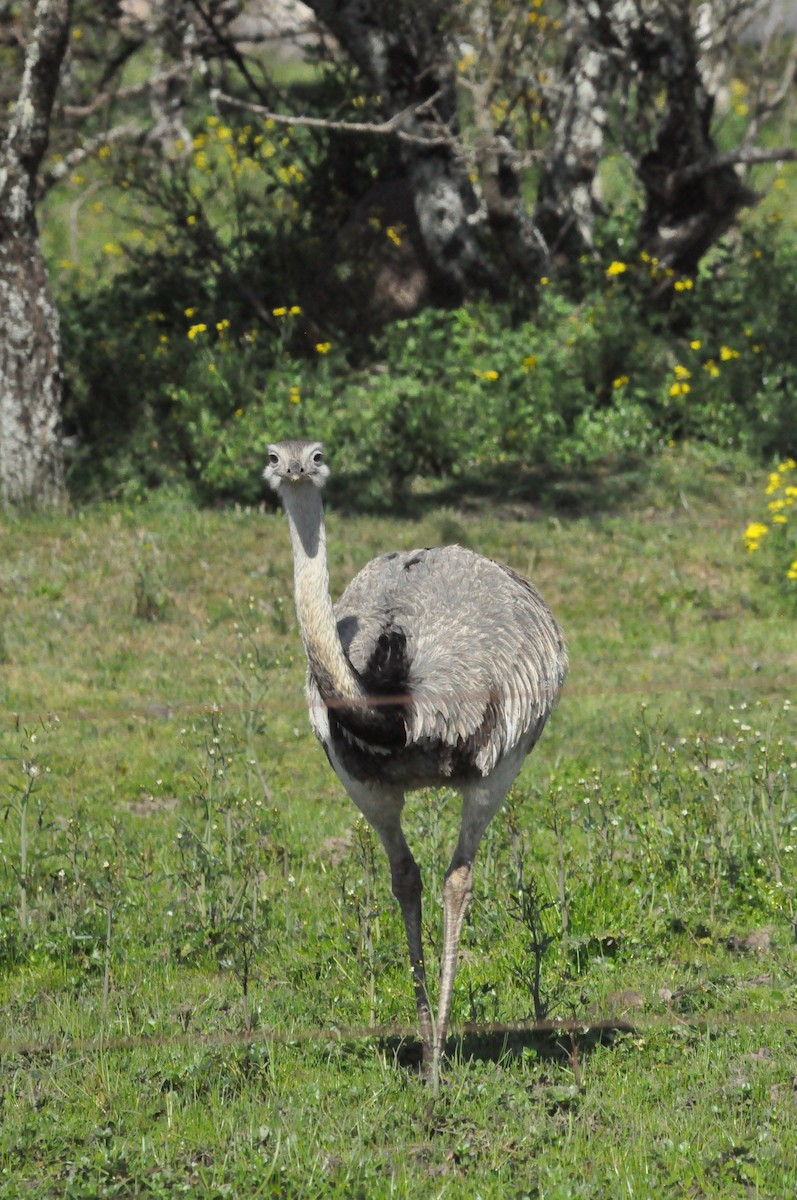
x=318 y=458
x=273 y=458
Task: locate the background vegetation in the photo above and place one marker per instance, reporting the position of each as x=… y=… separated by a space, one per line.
x=169 y=378
x=203 y=985
x=225 y=276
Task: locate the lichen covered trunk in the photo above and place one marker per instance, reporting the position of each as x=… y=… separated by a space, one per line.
x=567 y=201
x=31 y=464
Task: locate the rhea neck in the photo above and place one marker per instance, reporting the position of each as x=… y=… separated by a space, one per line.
x=328 y=663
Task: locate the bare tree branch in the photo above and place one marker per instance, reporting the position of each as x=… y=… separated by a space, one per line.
x=62 y=167
x=112 y=95
x=381 y=128
x=748 y=156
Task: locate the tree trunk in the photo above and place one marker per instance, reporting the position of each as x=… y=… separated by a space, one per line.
x=31 y=462
x=402 y=50
x=686 y=210
x=567 y=203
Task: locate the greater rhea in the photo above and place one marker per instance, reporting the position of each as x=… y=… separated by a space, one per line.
x=436 y=666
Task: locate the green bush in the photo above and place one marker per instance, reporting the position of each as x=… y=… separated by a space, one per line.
x=169 y=381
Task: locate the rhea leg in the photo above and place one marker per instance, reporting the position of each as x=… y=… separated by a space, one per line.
x=480 y=803
x=407 y=887
x=382 y=808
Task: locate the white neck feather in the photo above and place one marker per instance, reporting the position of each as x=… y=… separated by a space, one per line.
x=317 y=623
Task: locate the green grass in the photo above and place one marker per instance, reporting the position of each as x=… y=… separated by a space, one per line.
x=198 y=930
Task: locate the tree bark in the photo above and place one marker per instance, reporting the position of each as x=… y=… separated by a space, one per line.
x=31 y=460
x=402 y=50
x=686 y=211
x=567 y=203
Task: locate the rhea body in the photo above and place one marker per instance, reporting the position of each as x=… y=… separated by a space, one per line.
x=436 y=667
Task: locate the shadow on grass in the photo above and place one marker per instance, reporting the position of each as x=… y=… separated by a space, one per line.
x=561 y=1043
x=600 y=487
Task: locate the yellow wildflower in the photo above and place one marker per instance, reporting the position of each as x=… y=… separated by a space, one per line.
x=196 y=329
x=279 y=312
x=491 y=375
x=792 y=571
x=294 y=310
x=323 y=347
x=683 y=285
x=712 y=368
x=615 y=268
x=682 y=372
x=290 y=174
x=695 y=344
x=189 y=312
x=620 y=381
x=295 y=395
x=753 y=534
x=727 y=352
x=529 y=362
x=680 y=389
x=393 y=235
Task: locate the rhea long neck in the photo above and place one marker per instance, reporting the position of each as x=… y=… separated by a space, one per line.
x=328 y=663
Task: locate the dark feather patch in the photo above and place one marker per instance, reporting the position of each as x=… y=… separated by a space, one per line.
x=385 y=679
x=387 y=668
x=413 y=562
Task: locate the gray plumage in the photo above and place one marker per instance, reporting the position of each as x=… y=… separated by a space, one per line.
x=435 y=666
x=464 y=655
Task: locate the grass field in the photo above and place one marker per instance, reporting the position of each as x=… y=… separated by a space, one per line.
x=196 y=934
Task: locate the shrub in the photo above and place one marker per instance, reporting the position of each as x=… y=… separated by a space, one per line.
x=171 y=378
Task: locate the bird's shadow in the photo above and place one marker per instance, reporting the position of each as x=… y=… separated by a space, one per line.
x=563 y=1043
